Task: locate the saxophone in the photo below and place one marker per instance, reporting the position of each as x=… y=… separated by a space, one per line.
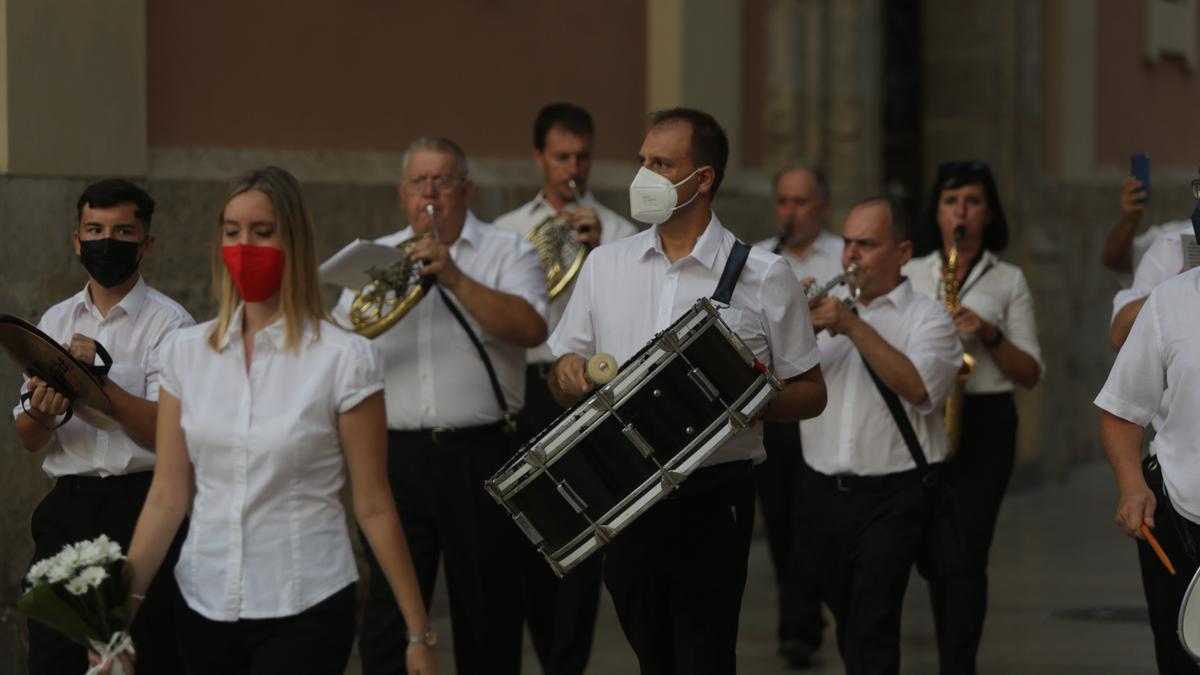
x=954 y=404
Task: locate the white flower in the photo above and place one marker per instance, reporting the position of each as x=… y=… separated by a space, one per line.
x=37 y=573
x=92 y=552
x=112 y=550
x=68 y=557
x=77 y=586
x=59 y=571
x=93 y=575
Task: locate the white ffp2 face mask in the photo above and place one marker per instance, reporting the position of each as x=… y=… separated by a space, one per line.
x=652 y=196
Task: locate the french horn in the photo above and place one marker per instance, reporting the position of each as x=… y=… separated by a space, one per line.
x=559 y=250
x=954 y=404
x=392 y=291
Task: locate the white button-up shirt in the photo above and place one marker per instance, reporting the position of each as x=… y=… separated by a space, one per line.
x=131 y=333
x=998 y=293
x=856 y=434
x=1163 y=260
x=628 y=291
x=1161 y=348
x=267 y=535
x=529 y=216
x=435 y=377
x=822 y=261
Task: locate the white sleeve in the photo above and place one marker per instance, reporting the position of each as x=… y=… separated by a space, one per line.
x=935 y=350
x=789 y=328
x=360 y=374
x=1163 y=260
x=524 y=277
x=1134 y=389
x=575 y=333
x=1020 y=324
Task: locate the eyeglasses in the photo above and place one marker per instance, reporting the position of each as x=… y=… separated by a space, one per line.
x=440 y=183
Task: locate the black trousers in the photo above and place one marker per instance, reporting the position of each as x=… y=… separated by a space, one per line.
x=316 y=641
x=777 y=482
x=79 y=508
x=676 y=576
x=1180 y=539
x=561 y=613
x=438 y=486
x=976 y=477
x=866 y=540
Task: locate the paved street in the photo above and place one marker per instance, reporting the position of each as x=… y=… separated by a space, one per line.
x=1057 y=557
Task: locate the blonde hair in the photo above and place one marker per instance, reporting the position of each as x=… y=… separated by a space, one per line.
x=300 y=292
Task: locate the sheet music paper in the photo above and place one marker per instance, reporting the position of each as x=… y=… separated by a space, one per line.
x=1191 y=251
x=348 y=267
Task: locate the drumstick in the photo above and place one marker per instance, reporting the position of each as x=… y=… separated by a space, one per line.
x=1162 y=556
x=601 y=369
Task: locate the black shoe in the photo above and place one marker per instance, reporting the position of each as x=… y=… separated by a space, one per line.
x=797 y=653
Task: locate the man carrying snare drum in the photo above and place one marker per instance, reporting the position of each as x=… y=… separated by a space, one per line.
x=676 y=575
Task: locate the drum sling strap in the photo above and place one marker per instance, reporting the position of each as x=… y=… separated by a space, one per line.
x=733 y=270
x=510 y=422
x=929 y=475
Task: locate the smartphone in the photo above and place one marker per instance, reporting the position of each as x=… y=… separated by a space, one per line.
x=1139 y=168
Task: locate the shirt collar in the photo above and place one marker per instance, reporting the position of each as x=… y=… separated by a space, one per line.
x=540 y=202
x=986 y=260
x=131 y=305
x=705 y=249
x=472 y=231
x=898 y=297
x=274 y=332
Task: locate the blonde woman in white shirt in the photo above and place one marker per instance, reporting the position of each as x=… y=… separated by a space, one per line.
x=996 y=323
x=262 y=412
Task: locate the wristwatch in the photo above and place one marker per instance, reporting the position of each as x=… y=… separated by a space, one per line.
x=429 y=638
x=997 y=336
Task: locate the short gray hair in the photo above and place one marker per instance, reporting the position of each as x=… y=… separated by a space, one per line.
x=816 y=171
x=437 y=144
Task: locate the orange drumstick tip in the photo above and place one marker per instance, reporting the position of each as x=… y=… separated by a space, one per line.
x=1162 y=557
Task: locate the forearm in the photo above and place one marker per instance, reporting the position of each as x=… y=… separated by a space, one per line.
x=502 y=315
x=138 y=416
x=1122 y=323
x=31 y=435
x=890 y=364
x=1123 y=446
x=1014 y=363
x=382 y=528
x=157 y=525
x=803 y=397
x=1117 y=247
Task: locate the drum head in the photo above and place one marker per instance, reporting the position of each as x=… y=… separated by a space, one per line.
x=36 y=354
x=1189 y=620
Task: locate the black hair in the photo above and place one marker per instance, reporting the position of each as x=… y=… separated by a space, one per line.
x=113 y=192
x=566 y=116
x=953 y=175
x=709 y=144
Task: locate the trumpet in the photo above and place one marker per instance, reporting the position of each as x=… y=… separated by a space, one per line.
x=558 y=249
x=392 y=291
x=849 y=277
x=954 y=404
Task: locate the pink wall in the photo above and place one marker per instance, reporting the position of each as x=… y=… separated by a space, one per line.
x=1139 y=105
x=371 y=75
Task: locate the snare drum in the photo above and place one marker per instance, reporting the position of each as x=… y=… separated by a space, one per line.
x=1189 y=619
x=607 y=460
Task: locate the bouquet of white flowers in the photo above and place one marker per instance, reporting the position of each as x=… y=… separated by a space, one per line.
x=83 y=594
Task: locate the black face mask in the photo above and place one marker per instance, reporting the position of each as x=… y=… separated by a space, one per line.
x=110 y=261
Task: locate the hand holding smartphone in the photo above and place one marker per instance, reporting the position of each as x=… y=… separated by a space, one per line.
x=1139 y=168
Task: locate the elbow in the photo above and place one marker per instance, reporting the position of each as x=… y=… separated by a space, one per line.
x=917 y=397
x=535 y=332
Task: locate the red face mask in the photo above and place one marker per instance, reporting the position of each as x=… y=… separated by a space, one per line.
x=257 y=271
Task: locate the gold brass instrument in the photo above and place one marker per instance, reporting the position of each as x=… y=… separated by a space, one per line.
x=558 y=249
x=392 y=291
x=954 y=404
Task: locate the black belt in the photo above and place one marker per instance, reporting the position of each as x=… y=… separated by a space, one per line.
x=448 y=435
x=100 y=484
x=848 y=482
x=709 y=478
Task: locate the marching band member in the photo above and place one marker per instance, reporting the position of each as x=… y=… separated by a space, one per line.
x=997 y=325
x=802 y=206
x=263 y=412
x=1163 y=260
x=1160 y=492
x=867 y=497
x=676 y=574
x=561 y=613
x=101 y=477
x=447 y=419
